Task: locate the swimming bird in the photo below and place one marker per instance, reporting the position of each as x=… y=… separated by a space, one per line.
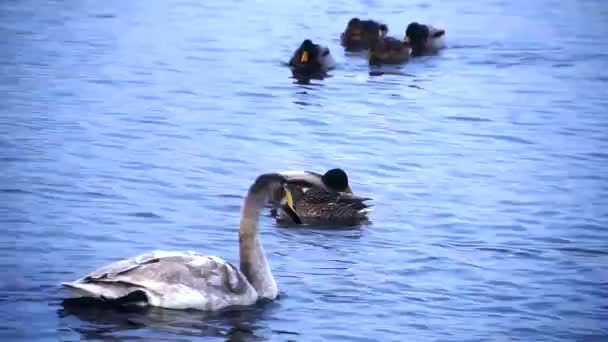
x=323 y=199
x=320 y=207
x=389 y=50
x=424 y=39
x=311 y=60
x=361 y=34
x=189 y=280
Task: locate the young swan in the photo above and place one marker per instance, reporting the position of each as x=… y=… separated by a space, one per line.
x=189 y=280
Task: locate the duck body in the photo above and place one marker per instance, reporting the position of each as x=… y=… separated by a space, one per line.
x=322 y=199
x=320 y=207
x=189 y=280
x=389 y=51
x=360 y=34
x=424 y=39
x=311 y=60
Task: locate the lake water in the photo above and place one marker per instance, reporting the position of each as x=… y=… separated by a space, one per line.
x=128 y=126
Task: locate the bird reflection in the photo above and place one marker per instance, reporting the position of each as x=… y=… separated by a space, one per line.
x=101 y=321
x=307 y=78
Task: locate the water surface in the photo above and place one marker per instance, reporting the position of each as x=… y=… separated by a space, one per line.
x=127 y=126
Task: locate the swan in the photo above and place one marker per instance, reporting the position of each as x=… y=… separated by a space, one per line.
x=190 y=280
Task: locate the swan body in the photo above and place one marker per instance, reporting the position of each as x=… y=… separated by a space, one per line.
x=171 y=279
x=190 y=280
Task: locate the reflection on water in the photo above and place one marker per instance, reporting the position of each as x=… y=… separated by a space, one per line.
x=104 y=322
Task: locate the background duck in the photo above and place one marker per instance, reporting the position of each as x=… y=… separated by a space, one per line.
x=361 y=34
x=311 y=60
x=424 y=39
x=322 y=199
x=389 y=50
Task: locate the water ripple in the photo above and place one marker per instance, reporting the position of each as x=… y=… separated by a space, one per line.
x=130 y=126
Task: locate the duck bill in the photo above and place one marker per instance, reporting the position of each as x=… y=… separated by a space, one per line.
x=304 y=57
x=406 y=39
x=349 y=190
x=289 y=208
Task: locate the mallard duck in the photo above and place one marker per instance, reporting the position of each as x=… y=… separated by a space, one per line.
x=311 y=60
x=424 y=39
x=318 y=206
x=361 y=34
x=189 y=280
x=322 y=199
x=389 y=50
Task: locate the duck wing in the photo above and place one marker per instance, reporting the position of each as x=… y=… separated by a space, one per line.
x=176 y=280
x=319 y=205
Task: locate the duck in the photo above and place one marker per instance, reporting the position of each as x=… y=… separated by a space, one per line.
x=388 y=50
x=322 y=199
x=361 y=34
x=189 y=280
x=311 y=60
x=424 y=39
x=316 y=206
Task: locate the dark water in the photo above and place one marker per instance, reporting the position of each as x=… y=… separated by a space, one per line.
x=127 y=126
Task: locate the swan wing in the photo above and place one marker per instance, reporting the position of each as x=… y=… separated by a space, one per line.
x=176 y=280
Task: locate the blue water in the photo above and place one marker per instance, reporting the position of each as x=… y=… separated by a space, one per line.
x=127 y=126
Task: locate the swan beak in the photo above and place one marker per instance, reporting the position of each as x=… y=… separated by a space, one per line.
x=406 y=39
x=304 y=57
x=289 y=208
x=349 y=190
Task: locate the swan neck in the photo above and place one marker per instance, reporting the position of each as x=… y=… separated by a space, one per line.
x=253 y=262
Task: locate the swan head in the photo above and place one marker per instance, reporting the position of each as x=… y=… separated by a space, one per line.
x=266 y=185
x=336 y=180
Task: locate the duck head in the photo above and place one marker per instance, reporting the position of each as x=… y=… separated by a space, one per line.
x=416 y=34
x=306 y=50
x=337 y=180
x=353 y=29
x=383 y=30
